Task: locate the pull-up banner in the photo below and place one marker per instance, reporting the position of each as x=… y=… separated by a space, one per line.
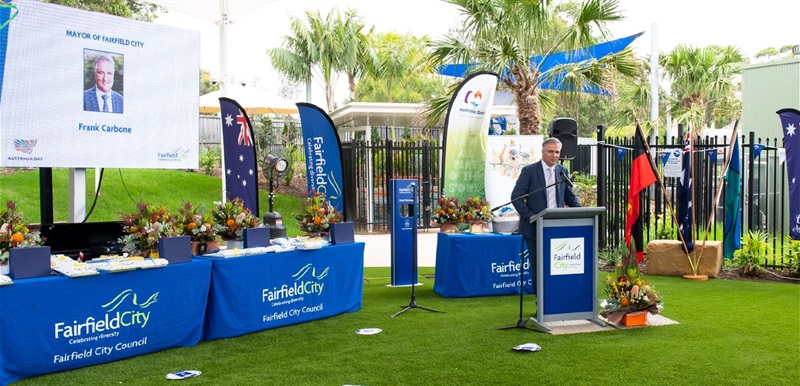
x=239 y=155
x=323 y=154
x=465 y=132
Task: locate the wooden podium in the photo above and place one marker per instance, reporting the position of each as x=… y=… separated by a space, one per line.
x=566 y=265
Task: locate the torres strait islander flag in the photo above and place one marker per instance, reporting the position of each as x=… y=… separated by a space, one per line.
x=790 y=123
x=239 y=155
x=643 y=174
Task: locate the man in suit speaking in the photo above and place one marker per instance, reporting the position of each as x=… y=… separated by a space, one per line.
x=101 y=97
x=534 y=178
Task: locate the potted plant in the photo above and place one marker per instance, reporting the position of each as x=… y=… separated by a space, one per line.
x=448 y=214
x=197 y=222
x=230 y=219
x=317 y=214
x=144 y=227
x=14 y=233
x=630 y=296
x=476 y=213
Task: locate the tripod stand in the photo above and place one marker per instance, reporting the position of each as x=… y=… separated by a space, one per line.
x=521 y=321
x=413 y=303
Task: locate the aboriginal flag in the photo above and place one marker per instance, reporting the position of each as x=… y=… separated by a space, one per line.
x=643 y=174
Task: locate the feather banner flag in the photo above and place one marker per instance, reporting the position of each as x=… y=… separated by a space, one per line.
x=732 y=236
x=239 y=155
x=790 y=123
x=465 y=136
x=643 y=174
x=323 y=154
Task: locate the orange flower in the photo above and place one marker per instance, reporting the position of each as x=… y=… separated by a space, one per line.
x=191 y=225
x=230 y=223
x=623 y=301
x=317 y=220
x=17 y=238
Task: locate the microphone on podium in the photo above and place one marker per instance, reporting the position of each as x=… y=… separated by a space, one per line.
x=566 y=179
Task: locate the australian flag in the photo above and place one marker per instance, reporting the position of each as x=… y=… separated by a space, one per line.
x=239 y=155
x=685 y=198
x=790 y=123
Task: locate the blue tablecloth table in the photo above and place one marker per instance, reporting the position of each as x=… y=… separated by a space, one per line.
x=483 y=264
x=260 y=292
x=56 y=323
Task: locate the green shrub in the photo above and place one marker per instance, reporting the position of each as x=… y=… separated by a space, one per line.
x=612 y=256
x=792 y=252
x=209 y=159
x=755 y=248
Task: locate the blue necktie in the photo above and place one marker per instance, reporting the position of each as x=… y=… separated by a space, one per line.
x=105 y=103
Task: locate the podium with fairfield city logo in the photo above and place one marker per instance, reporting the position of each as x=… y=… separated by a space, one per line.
x=566 y=265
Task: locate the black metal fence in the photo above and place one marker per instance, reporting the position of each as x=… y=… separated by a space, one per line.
x=764 y=196
x=369 y=165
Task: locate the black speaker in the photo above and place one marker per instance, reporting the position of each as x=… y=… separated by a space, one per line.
x=566 y=130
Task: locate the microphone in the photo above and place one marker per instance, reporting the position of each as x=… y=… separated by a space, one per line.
x=566 y=179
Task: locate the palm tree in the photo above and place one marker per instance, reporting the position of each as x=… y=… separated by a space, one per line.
x=313 y=50
x=703 y=83
x=505 y=34
x=358 y=55
x=396 y=59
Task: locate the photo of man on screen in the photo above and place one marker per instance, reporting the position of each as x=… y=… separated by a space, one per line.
x=101 y=97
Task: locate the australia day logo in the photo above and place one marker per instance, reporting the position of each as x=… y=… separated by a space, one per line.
x=473 y=98
x=567 y=256
x=25 y=145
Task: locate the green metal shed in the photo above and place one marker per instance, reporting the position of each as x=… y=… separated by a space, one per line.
x=767 y=88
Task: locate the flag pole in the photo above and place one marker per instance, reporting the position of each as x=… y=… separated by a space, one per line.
x=664 y=193
x=719 y=187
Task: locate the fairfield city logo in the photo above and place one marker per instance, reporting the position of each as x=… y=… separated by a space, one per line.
x=473 y=98
x=306 y=282
x=123 y=311
x=567 y=256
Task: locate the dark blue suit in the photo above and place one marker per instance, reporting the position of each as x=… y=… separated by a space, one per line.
x=530 y=179
x=90 y=101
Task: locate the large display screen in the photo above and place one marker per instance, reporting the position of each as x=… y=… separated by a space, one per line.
x=84 y=89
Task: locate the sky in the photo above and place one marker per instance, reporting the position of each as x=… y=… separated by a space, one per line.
x=750 y=26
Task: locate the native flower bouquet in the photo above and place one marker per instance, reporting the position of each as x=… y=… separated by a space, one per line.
x=13 y=231
x=145 y=226
x=196 y=222
x=629 y=292
x=317 y=214
x=448 y=211
x=231 y=218
x=476 y=209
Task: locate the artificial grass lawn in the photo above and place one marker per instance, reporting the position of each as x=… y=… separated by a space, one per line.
x=730 y=332
x=122 y=188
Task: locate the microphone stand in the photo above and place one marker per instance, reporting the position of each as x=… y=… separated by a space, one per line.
x=522 y=255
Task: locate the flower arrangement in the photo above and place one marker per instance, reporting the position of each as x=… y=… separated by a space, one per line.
x=317 y=214
x=629 y=292
x=448 y=211
x=476 y=209
x=231 y=218
x=145 y=226
x=13 y=231
x=196 y=222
